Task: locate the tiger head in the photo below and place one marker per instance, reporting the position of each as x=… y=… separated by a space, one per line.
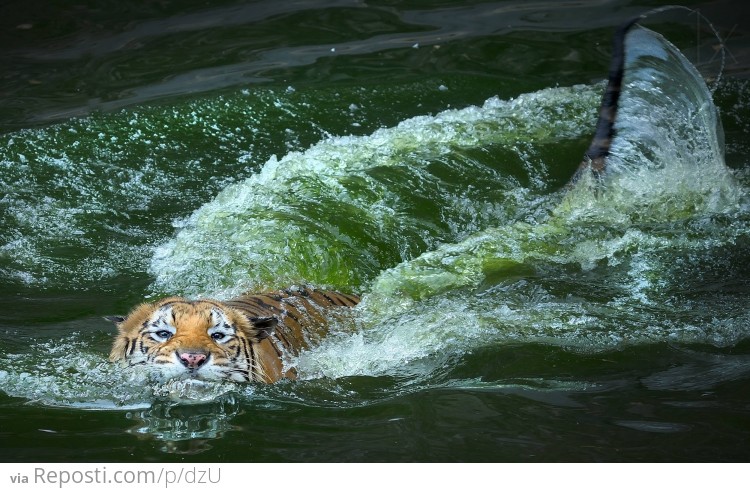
x=203 y=339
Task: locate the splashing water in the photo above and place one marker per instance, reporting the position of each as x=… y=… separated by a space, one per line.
x=622 y=246
x=451 y=227
x=349 y=207
x=66 y=374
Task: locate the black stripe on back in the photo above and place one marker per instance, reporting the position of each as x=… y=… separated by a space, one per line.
x=247 y=373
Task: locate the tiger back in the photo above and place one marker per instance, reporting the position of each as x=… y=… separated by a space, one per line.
x=243 y=339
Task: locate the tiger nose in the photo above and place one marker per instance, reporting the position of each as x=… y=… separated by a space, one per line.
x=192 y=359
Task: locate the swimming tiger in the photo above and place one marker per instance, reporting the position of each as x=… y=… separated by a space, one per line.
x=243 y=340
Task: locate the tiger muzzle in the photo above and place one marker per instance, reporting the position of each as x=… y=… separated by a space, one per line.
x=192 y=360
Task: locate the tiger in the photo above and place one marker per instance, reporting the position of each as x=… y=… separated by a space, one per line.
x=245 y=339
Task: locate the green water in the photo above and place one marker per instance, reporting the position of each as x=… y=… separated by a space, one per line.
x=416 y=154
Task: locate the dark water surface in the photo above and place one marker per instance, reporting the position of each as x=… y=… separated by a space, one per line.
x=412 y=152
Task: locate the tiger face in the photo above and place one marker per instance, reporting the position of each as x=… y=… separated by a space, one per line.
x=248 y=338
x=180 y=339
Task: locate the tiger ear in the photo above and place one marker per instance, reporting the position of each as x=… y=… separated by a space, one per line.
x=263 y=326
x=115 y=319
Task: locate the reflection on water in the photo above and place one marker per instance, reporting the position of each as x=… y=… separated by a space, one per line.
x=173 y=423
